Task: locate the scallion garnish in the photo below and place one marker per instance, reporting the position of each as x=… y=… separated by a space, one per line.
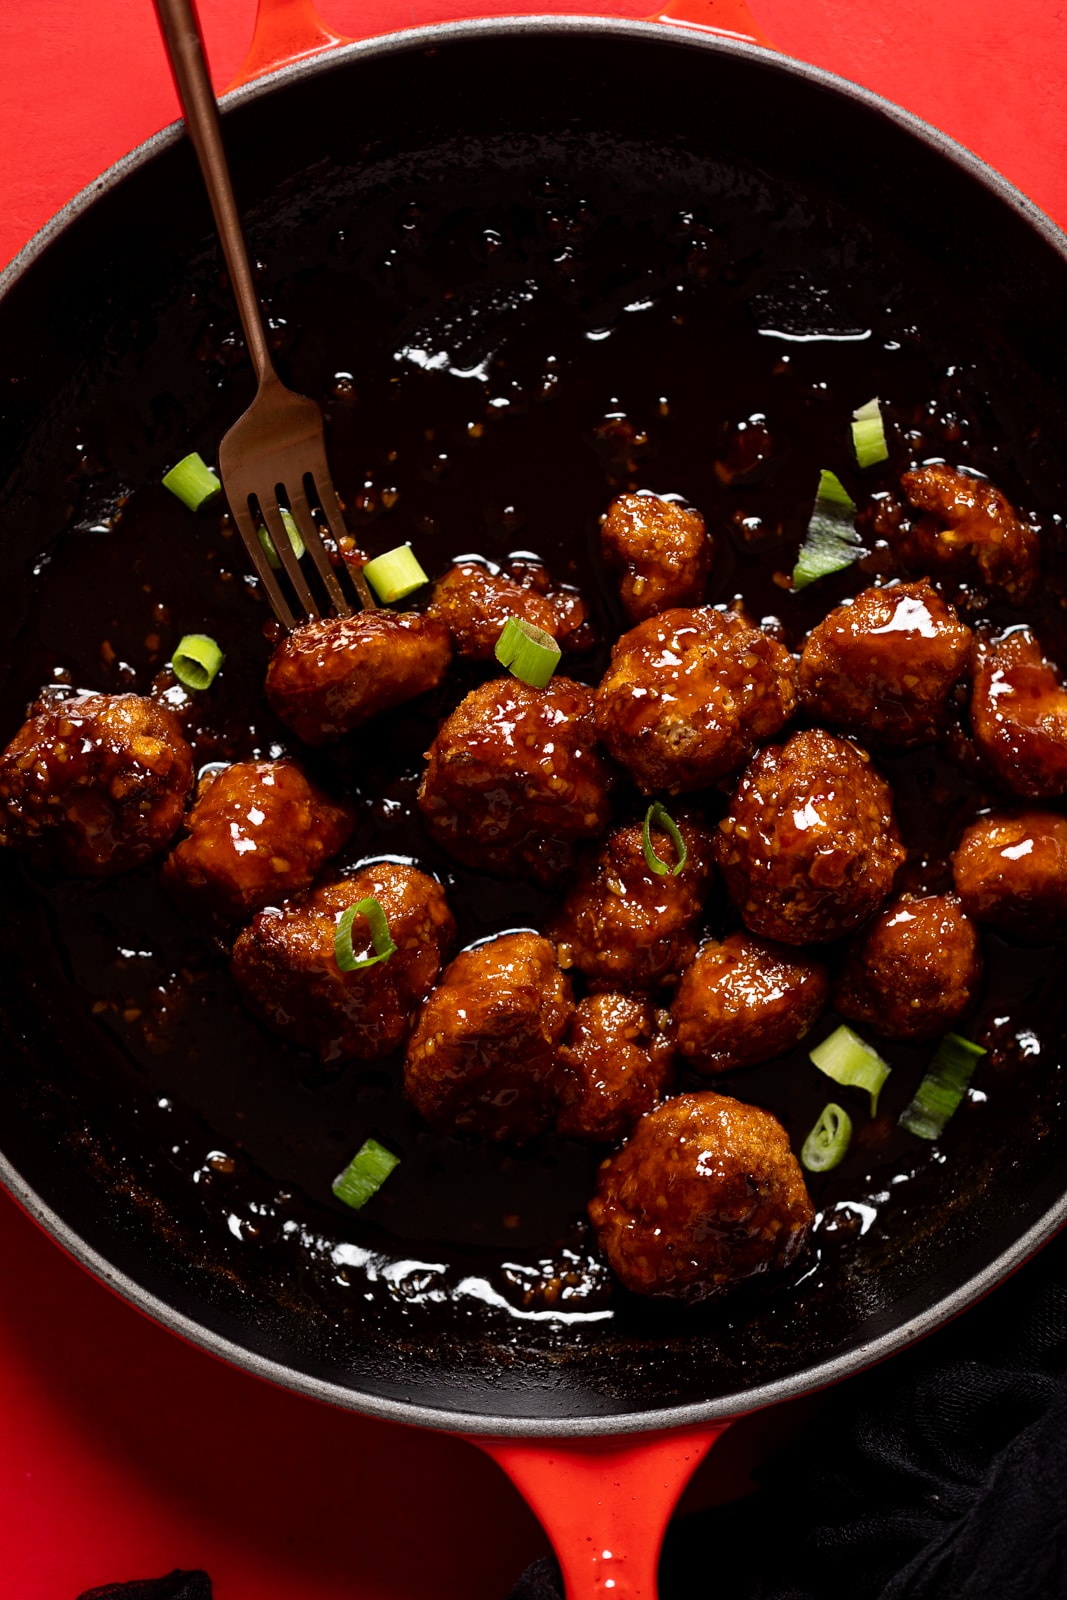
x=365 y=1174
x=395 y=575
x=868 y=434
x=828 y=1140
x=657 y=816
x=289 y=524
x=831 y=541
x=196 y=661
x=381 y=938
x=848 y=1060
x=943 y=1087
x=193 y=481
x=528 y=653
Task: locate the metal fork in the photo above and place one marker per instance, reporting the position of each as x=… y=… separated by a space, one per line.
x=279 y=443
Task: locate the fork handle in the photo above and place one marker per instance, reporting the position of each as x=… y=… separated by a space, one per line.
x=185 y=50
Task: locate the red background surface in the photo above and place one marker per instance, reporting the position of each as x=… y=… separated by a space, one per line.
x=124 y=1453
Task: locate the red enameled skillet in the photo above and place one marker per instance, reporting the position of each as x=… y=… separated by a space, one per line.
x=600 y=1434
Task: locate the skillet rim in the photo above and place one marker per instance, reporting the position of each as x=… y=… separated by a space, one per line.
x=696 y=1414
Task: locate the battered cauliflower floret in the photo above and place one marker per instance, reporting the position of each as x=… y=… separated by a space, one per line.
x=1011 y=872
x=333 y=675
x=1019 y=716
x=914 y=971
x=285 y=965
x=704 y=1194
x=483 y=1058
x=967 y=531
x=258 y=832
x=474 y=604
x=689 y=695
x=95 y=784
x=743 y=1001
x=809 y=847
x=615 y=1065
x=514 y=780
x=623 y=926
x=884 y=664
x=660 y=551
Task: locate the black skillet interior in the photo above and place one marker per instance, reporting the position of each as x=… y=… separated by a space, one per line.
x=524 y=265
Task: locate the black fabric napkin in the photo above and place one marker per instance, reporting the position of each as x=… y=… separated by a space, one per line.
x=940 y=1475
x=175 y=1586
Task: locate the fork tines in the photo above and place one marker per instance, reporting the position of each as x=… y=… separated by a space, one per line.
x=245 y=510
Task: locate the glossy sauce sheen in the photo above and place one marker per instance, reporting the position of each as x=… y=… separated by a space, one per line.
x=494 y=372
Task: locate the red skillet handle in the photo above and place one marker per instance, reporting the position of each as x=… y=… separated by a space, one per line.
x=604 y=1504
x=291 y=30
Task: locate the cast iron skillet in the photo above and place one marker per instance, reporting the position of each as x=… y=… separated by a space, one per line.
x=96 y=315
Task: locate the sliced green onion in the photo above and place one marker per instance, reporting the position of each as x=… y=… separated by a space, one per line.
x=868 y=434
x=196 y=661
x=381 y=938
x=294 y=539
x=365 y=1174
x=943 y=1087
x=831 y=541
x=828 y=1140
x=848 y=1060
x=193 y=481
x=528 y=653
x=395 y=575
x=657 y=816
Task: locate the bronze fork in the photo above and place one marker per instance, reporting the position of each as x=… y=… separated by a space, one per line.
x=278 y=444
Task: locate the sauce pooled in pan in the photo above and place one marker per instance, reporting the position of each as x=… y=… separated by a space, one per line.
x=494 y=374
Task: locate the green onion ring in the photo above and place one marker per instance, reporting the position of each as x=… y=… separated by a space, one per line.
x=658 y=816
x=529 y=653
x=395 y=575
x=196 y=661
x=193 y=481
x=381 y=939
x=828 y=1140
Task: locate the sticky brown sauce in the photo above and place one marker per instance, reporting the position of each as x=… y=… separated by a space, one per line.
x=493 y=373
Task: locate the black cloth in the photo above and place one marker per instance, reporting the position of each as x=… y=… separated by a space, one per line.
x=939 y=1475
x=175 y=1586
